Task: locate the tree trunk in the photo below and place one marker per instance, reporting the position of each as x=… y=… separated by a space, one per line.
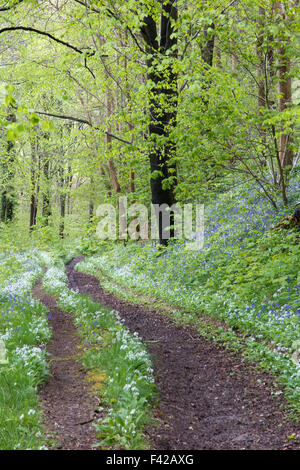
x=112 y=171
x=111 y=165
x=34 y=190
x=8 y=200
x=163 y=105
x=207 y=51
x=46 y=205
x=91 y=203
x=62 y=202
x=286 y=155
x=261 y=59
x=132 y=181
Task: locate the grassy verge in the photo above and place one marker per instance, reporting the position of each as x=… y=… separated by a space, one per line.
x=24 y=333
x=117 y=362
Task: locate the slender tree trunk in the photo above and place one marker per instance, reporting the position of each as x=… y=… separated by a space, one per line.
x=34 y=191
x=91 y=211
x=8 y=200
x=62 y=202
x=286 y=155
x=95 y=144
x=91 y=204
x=69 y=188
x=109 y=111
x=132 y=181
x=111 y=164
x=46 y=205
x=113 y=174
x=207 y=51
x=261 y=59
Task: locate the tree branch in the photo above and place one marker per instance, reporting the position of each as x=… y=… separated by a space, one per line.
x=84 y=4
x=44 y=33
x=196 y=34
x=227 y=7
x=11 y=6
x=113 y=15
x=84 y=121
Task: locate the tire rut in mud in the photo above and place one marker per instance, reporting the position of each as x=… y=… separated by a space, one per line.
x=209 y=398
x=67 y=402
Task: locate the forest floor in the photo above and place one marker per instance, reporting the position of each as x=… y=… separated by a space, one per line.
x=208 y=397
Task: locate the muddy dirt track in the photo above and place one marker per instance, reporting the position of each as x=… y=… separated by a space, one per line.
x=209 y=399
x=67 y=403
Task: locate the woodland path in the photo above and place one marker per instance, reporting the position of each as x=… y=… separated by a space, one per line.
x=67 y=402
x=209 y=398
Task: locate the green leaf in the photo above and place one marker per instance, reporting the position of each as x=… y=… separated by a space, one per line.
x=34 y=119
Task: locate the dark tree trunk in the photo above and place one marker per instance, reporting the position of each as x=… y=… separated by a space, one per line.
x=33 y=212
x=46 y=206
x=207 y=56
x=34 y=190
x=8 y=200
x=91 y=204
x=91 y=211
x=163 y=104
x=62 y=203
x=113 y=176
x=68 y=197
x=207 y=51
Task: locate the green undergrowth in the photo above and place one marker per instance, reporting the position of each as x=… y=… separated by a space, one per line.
x=117 y=364
x=242 y=288
x=254 y=293
x=24 y=332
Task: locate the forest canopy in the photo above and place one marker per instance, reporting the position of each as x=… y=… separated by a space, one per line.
x=161 y=101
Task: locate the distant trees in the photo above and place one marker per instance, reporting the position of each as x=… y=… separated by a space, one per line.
x=187 y=96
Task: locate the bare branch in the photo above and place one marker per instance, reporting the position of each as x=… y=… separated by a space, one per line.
x=84 y=4
x=44 y=33
x=9 y=7
x=84 y=121
x=227 y=7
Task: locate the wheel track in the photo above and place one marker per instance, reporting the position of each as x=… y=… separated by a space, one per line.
x=209 y=399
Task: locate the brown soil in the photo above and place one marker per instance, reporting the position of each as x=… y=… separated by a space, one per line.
x=209 y=399
x=67 y=402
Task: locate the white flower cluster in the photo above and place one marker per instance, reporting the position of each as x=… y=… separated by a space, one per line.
x=31 y=358
x=7 y=335
x=137 y=359
x=25 y=317
x=45 y=258
x=55 y=278
x=22 y=283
